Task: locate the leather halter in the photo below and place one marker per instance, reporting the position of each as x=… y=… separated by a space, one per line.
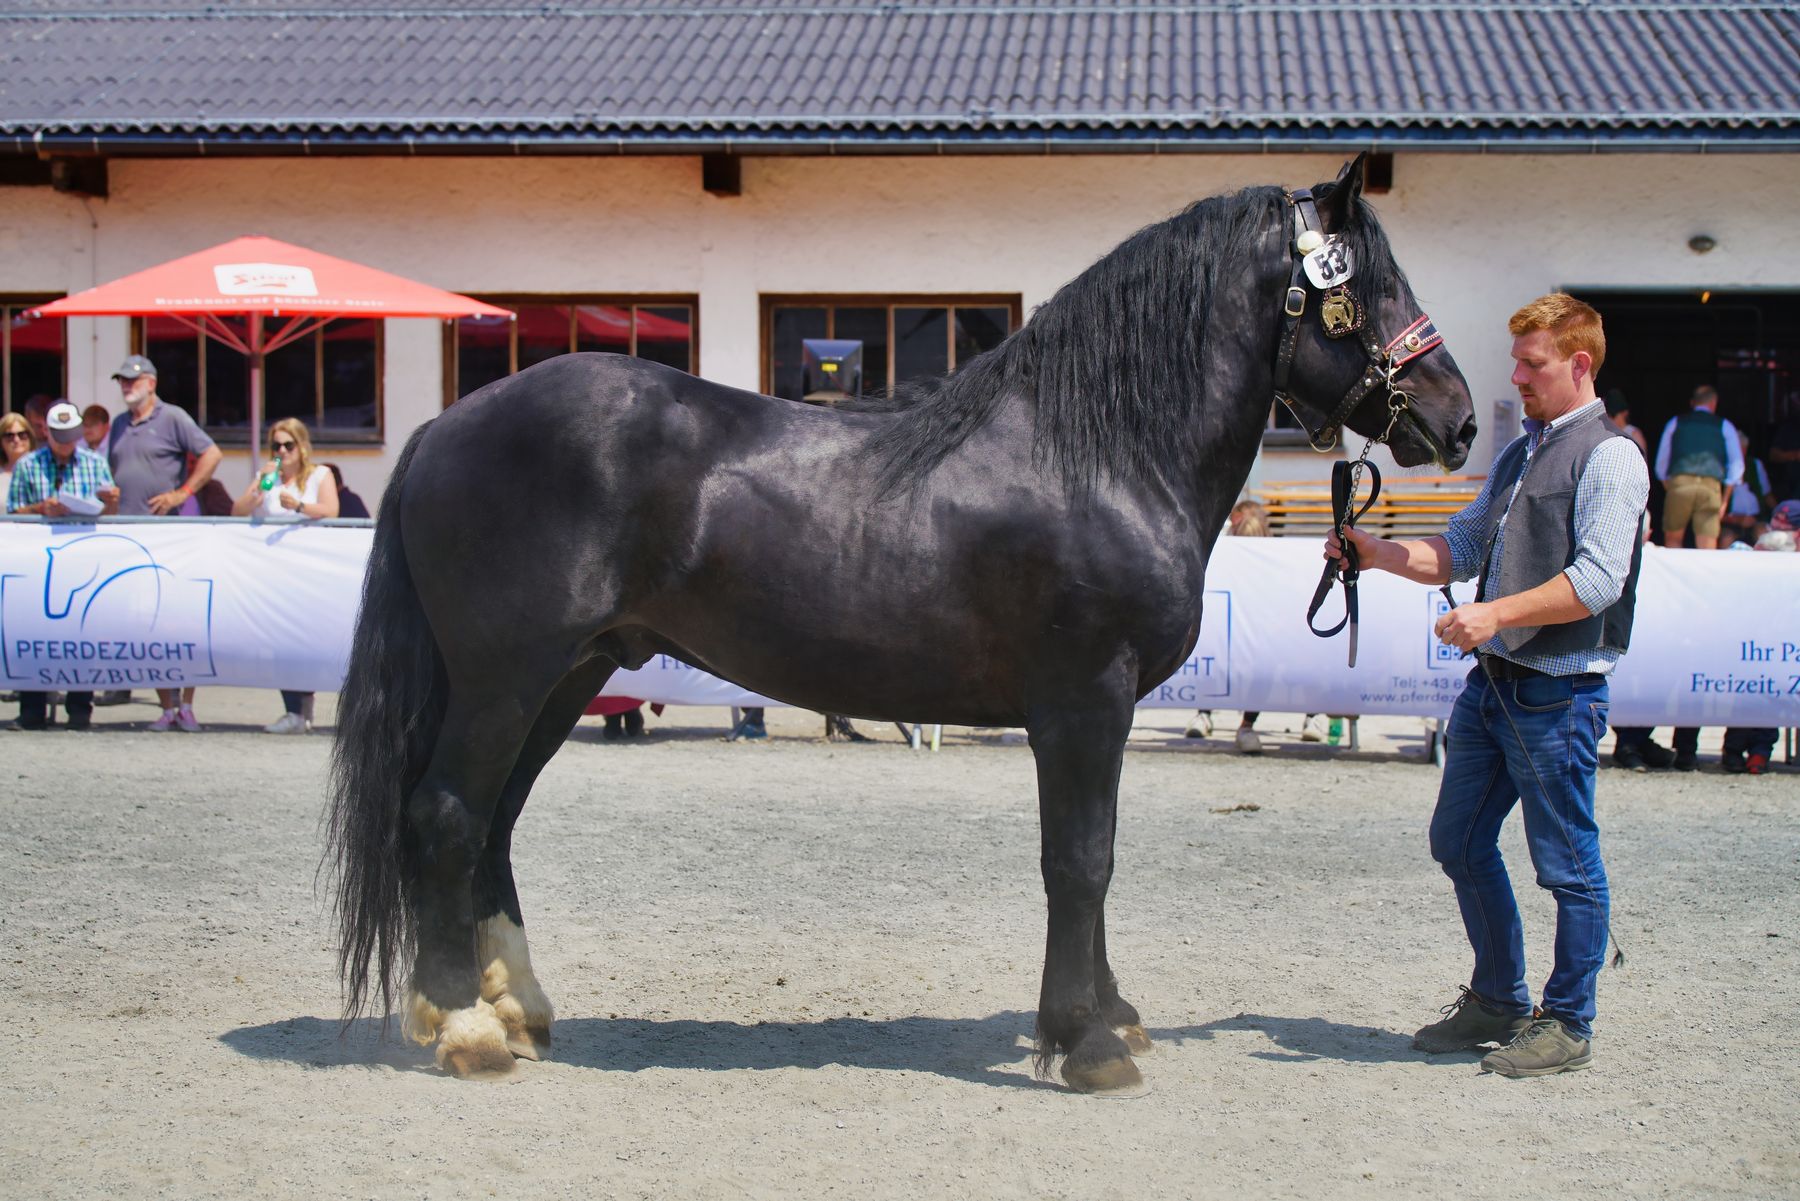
x=1385 y=364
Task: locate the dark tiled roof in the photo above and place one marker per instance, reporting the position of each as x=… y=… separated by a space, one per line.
x=950 y=73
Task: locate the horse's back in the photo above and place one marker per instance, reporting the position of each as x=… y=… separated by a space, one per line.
x=755 y=535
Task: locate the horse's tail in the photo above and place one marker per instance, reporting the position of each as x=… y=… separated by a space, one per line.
x=389 y=714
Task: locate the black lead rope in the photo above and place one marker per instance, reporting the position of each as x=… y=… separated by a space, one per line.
x=1345 y=478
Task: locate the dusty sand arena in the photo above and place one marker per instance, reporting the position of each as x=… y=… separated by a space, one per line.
x=795 y=969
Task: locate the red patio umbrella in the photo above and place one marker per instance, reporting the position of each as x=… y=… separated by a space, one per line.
x=258 y=278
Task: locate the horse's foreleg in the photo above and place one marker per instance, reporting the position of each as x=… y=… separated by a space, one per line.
x=1119 y=1013
x=448 y=817
x=507 y=980
x=1079 y=750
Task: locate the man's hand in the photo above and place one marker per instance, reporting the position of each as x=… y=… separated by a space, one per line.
x=1365 y=545
x=53 y=507
x=1468 y=626
x=168 y=502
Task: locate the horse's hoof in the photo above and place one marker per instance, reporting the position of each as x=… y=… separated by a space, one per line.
x=532 y=1043
x=1137 y=1041
x=475 y=1063
x=472 y=1042
x=1108 y=1078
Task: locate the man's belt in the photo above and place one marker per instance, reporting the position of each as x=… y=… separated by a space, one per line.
x=1505 y=669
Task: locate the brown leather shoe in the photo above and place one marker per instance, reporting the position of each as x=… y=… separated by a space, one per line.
x=1543 y=1048
x=1469 y=1022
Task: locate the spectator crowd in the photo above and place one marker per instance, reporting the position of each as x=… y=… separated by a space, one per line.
x=154 y=460
x=1717 y=493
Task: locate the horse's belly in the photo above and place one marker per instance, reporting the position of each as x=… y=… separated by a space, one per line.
x=915 y=683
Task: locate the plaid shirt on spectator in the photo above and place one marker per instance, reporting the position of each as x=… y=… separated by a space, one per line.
x=38 y=476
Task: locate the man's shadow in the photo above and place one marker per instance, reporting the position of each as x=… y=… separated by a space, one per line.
x=1306 y=1040
x=994 y=1050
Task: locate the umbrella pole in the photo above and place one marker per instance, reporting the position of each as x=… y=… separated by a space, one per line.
x=256 y=393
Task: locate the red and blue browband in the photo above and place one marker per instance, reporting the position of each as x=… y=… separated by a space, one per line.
x=1416 y=339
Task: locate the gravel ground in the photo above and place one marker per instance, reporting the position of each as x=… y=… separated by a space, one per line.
x=799 y=969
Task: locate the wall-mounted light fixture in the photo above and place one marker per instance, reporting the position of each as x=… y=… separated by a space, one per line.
x=1701 y=243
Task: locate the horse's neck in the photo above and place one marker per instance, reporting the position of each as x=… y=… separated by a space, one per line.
x=1240 y=345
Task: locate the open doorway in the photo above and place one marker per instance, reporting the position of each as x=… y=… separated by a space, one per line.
x=1661 y=345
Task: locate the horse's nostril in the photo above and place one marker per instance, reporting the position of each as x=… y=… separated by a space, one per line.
x=1465 y=436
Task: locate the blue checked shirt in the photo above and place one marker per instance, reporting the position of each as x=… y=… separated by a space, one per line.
x=1609 y=508
x=38 y=476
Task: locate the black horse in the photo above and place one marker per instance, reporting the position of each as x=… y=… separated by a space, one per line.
x=1023 y=543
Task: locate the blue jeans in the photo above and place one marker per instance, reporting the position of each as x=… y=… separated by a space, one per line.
x=1534 y=741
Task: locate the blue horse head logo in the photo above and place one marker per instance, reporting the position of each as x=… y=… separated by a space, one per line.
x=83 y=568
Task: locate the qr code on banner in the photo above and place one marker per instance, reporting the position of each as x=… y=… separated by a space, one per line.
x=1438 y=655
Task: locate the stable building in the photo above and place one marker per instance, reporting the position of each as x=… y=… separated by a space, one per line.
x=712 y=187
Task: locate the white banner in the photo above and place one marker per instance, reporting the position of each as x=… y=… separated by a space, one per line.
x=272 y=605
x=149 y=604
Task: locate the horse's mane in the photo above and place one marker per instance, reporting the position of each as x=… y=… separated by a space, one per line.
x=1115 y=361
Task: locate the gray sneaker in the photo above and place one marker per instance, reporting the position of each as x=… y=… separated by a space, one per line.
x=1542 y=1049
x=1469 y=1021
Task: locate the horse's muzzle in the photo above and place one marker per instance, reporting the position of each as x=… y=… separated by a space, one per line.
x=1458 y=450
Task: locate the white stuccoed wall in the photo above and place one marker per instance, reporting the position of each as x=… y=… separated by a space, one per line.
x=1479 y=235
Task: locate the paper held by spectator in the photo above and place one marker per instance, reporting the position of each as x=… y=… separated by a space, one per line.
x=82 y=506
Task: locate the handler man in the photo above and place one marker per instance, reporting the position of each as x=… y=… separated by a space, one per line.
x=1554 y=538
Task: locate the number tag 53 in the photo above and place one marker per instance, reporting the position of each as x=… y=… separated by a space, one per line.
x=1331 y=264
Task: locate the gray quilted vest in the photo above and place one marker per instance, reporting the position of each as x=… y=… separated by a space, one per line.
x=1540 y=538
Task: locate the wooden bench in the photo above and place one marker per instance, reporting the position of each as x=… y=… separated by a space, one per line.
x=1410 y=507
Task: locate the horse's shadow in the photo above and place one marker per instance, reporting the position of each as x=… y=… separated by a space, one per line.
x=993 y=1050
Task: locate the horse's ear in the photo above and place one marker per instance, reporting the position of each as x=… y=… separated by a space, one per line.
x=1339 y=199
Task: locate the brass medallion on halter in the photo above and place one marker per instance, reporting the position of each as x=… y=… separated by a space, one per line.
x=1340 y=313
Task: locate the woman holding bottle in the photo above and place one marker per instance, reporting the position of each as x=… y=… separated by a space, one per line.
x=291 y=484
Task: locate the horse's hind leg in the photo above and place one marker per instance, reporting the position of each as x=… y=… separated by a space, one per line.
x=1118 y=1013
x=1080 y=749
x=448 y=818
x=507 y=980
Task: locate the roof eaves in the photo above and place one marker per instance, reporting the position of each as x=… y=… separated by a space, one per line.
x=1122 y=122
x=1048 y=139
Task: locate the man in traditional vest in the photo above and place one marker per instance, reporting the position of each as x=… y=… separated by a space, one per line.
x=1699 y=460
x=1553 y=538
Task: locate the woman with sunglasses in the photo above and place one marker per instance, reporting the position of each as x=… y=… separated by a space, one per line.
x=15 y=443
x=301 y=488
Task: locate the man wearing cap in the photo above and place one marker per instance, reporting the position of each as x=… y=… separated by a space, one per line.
x=151 y=442
x=1786 y=516
x=61 y=467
